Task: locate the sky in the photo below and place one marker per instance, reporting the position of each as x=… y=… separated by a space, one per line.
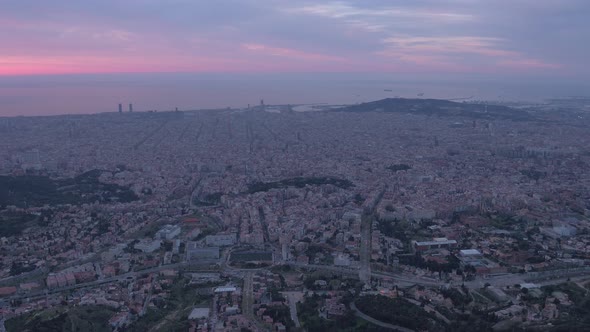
x=496 y=38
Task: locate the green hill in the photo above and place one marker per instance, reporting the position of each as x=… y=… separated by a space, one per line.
x=28 y=190
x=84 y=318
x=439 y=107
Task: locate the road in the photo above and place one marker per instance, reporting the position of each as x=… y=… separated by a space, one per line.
x=379 y=275
x=366 y=245
x=214 y=314
x=365 y=249
x=555 y=277
x=410 y=280
x=98 y=270
x=545 y=278
x=429 y=308
x=499 y=281
x=191 y=202
x=148 y=298
x=118 y=278
x=248 y=302
x=248 y=296
x=293 y=298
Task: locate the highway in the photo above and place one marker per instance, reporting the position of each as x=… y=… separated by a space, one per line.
x=292 y=298
x=546 y=278
x=543 y=278
x=379 y=275
x=119 y=278
x=247 y=296
x=365 y=249
x=148 y=298
x=248 y=301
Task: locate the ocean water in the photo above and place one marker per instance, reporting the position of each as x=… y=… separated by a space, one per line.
x=83 y=94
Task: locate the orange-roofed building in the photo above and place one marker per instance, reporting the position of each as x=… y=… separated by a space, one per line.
x=4 y=291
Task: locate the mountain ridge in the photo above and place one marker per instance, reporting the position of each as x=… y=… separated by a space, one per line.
x=439 y=107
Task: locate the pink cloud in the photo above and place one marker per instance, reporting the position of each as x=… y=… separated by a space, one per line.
x=454 y=44
x=529 y=64
x=32 y=65
x=449 y=53
x=87 y=45
x=289 y=53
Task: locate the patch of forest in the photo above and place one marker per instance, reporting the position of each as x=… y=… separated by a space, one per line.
x=299 y=182
x=34 y=191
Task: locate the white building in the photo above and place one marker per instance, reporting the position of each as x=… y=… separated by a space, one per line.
x=199 y=313
x=168 y=232
x=225 y=289
x=148 y=246
x=113 y=252
x=341 y=260
x=352 y=216
x=470 y=252
x=194 y=253
x=220 y=240
x=564 y=230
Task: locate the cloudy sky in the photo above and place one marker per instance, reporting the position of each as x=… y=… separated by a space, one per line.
x=491 y=37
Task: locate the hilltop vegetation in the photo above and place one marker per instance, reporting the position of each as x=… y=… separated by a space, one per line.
x=398 y=311
x=29 y=190
x=65 y=319
x=439 y=107
x=14 y=223
x=398 y=167
x=298 y=182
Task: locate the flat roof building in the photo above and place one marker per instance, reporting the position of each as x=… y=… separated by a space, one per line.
x=470 y=252
x=199 y=313
x=195 y=253
x=168 y=232
x=436 y=243
x=221 y=239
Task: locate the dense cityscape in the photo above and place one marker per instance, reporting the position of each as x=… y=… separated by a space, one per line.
x=421 y=217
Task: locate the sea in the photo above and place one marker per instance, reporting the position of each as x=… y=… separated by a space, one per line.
x=85 y=94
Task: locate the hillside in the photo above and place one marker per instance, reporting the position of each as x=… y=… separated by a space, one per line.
x=439 y=107
x=27 y=191
x=83 y=318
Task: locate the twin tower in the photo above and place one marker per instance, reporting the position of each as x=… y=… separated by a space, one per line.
x=121 y=108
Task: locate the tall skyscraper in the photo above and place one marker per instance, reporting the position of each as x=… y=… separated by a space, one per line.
x=130 y=107
x=262 y=106
x=120 y=108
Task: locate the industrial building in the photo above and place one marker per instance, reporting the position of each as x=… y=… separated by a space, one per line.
x=436 y=243
x=221 y=240
x=148 y=246
x=194 y=253
x=168 y=232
